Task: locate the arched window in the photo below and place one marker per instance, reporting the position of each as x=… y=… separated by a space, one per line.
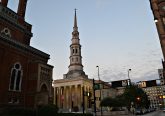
x=44 y=88
x=15 y=78
x=73 y=51
x=76 y=50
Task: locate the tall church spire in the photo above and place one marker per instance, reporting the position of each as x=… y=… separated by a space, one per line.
x=75 y=20
x=75 y=67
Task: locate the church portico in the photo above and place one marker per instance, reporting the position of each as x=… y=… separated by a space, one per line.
x=69 y=93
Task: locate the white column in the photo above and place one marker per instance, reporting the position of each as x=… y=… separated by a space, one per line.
x=76 y=95
x=64 y=97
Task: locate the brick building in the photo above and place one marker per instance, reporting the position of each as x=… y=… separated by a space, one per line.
x=158 y=10
x=25 y=76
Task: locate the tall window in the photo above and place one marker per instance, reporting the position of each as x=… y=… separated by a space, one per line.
x=76 y=50
x=73 y=51
x=15 y=78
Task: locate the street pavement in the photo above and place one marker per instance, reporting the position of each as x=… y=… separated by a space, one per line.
x=155 y=113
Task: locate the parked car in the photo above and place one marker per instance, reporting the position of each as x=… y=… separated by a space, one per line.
x=163 y=109
x=138 y=111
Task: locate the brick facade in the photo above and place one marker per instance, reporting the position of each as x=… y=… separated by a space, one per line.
x=25 y=76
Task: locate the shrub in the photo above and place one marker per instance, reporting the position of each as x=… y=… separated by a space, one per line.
x=18 y=111
x=48 y=110
x=75 y=109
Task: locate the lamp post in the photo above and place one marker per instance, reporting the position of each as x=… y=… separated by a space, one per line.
x=100 y=87
x=129 y=77
x=132 y=103
x=94 y=97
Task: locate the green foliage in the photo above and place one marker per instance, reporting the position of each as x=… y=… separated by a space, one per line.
x=132 y=94
x=137 y=96
x=48 y=110
x=113 y=102
x=18 y=111
x=75 y=109
x=107 y=102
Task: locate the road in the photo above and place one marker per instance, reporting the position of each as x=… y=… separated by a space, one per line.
x=156 y=113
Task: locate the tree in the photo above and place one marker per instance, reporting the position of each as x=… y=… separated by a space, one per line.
x=107 y=102
x=113 y=102
x=134 y=94
x=47 y=110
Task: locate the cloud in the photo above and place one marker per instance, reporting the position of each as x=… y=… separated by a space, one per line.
x=101 y=3
x=144 y=66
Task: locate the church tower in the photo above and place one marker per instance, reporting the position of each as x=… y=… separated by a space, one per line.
x=75 y=67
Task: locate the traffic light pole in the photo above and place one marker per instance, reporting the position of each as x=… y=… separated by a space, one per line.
x=83 y=100
x=100 y=89
x=94 y=97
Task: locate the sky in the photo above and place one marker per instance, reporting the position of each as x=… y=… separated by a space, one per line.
x=116 y=35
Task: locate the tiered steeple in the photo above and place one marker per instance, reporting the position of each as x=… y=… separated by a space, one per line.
x=75 y=67
x=75 y=49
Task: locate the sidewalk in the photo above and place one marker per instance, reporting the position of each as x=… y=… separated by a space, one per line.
x=114 y=114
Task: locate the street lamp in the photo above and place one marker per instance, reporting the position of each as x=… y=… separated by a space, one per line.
x=155 y=20
x=138 y=98
x=129 y=77
x=99 y=87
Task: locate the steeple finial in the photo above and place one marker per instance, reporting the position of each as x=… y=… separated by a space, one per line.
x=75 y=19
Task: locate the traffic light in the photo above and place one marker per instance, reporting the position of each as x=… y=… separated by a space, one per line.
x=97 y=86
x=89 y=94
x=138 y=98
x=160 y=96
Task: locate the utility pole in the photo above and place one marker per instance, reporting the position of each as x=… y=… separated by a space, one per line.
x=129 y=77
x=94 y=97
x=100 y=89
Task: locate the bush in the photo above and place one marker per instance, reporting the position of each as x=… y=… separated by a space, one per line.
x=18 y=112
x=75 y=109
x=48 y=110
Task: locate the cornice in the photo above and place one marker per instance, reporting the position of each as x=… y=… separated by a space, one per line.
x=72 y=81
x=11 y=17
x=23 y=47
